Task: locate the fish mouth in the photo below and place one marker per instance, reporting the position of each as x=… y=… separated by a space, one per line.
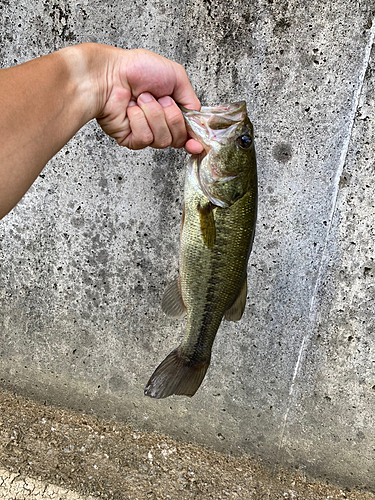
x=214 y=126
x=233 y=111
x=214 y=123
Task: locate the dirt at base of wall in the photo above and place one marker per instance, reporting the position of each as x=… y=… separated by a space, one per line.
x=46 y=452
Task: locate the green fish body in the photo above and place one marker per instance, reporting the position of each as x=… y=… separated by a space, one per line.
x=220 y=206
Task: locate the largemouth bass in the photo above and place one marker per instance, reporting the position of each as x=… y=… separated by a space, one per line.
x=218 y=224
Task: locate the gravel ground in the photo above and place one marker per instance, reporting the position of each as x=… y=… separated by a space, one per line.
x=16 y=487
x=47 y=452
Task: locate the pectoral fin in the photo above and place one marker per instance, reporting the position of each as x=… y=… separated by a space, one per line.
x=207 y=223
x=235 y=312
x=172 y=303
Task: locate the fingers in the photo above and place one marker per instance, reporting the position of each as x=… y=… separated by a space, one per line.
x=158 y=124
x=177 y=127
x=156 y=120
x=175 y=121
x=140 y=135
x=193 y=147
x=113 y=119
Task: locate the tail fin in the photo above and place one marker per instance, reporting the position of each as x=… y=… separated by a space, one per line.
x=176 y=375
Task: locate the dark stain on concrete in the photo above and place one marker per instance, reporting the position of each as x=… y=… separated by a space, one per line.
x=282 y=152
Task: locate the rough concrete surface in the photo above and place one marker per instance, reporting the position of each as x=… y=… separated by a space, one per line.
x=86 y=255
x=46 y=452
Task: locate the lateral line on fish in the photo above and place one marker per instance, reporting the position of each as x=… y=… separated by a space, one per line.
x=207 y=314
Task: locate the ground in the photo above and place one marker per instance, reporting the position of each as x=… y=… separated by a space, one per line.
x=47 y=452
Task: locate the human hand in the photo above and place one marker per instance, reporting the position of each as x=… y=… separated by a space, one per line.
x=132 y=93
x=139 y=108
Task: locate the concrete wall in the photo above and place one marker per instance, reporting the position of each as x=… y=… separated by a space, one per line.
x=86 y=255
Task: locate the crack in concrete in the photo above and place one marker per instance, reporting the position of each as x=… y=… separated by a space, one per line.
x=313 y=311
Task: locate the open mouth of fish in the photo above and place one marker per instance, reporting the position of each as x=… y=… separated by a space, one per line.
x=214 y=123
x=210 y=125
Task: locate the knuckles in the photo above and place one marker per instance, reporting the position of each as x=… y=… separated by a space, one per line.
x=157 y=127
x=175 y=119
x=144 y=140
x=163 y=142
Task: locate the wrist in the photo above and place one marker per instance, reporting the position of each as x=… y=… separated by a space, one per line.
x=90 y=75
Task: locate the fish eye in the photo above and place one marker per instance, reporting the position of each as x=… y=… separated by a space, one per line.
x=244 y=141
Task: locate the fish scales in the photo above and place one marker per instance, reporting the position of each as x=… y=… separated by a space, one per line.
x=218 y=226
x=211 y=278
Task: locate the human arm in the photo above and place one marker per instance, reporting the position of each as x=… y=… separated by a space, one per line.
x=44 y=102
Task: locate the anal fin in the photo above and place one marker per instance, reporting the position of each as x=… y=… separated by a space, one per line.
x=235 y=312
x=172 y=303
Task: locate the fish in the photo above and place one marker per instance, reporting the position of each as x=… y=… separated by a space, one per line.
x=217 y=233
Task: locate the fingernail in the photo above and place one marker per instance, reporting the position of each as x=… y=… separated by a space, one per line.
x=146 y=97
x=132 y=103
x=165 y=101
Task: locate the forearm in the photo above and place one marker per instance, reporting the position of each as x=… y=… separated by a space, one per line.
x=43 y=103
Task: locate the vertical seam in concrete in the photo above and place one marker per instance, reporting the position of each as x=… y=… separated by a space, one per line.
x=313 y=312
